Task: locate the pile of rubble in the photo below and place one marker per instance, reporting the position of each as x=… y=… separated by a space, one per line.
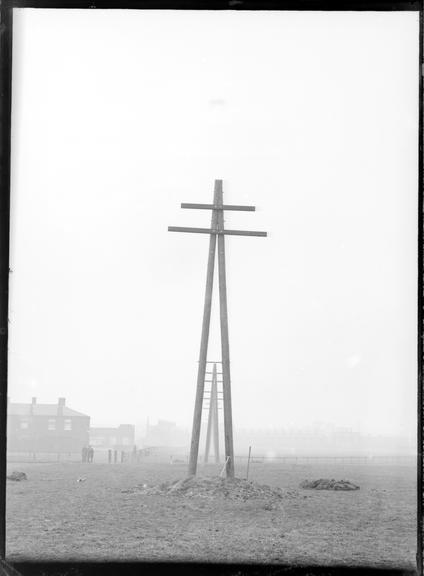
x=213 y=487
x=325 y=484
x=17 y=476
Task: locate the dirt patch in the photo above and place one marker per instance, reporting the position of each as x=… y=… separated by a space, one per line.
x=54 y=518
x=213 y=487
x=325 y=484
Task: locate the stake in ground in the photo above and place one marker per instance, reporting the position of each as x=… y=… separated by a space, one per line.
x=216 y=230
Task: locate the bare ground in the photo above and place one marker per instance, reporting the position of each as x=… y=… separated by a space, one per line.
x=52 y=516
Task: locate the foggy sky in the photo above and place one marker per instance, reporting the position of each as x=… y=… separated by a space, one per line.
x=119 y=116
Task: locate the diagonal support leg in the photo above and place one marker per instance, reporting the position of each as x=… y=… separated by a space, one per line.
x=210 y=420
x=226 y=380
x=201 y=373
x=215 y=426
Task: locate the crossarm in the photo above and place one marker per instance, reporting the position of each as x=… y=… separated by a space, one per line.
x=210 y=231
x=215 y=207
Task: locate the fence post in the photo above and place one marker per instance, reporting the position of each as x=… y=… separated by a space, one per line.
x=109 y=456
x=115 y=456
x=248 y=463
x=225 y=466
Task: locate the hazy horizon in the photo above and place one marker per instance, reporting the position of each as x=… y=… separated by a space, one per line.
x=300 y=118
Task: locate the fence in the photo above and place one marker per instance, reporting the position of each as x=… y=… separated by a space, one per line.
x=100 y=456
x=355 y=460
x=113 y=456
x=43 y=457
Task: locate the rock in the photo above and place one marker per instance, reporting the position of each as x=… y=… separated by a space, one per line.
x=17 y=476
x=326 y=484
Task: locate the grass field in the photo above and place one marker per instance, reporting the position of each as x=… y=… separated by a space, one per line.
x=51 y=516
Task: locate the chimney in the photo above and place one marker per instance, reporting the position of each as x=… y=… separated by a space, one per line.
x=60 y=405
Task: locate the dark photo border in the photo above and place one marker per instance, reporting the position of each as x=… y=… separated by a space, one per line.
x=129 y=568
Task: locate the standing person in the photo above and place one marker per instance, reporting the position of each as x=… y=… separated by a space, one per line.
x=84 y=453
x=90 y=454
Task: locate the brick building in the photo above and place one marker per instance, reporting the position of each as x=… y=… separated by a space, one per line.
x=48 y=428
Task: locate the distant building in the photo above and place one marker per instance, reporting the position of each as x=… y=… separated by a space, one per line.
x=53 y=428
x=120 y=438
x=166 y=433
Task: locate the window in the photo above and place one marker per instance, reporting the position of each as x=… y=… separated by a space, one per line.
x=51 y=424
x=68 y=424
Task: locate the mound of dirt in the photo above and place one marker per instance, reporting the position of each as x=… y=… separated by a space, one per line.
x=17 y=476
x=326 y=484
x=213 y=487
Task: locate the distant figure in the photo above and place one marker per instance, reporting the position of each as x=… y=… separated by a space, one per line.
x=90 y=454
x=84 y=454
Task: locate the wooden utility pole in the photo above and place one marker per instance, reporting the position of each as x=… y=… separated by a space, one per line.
x=216 y=229
x=225 y=342
x=204 y=340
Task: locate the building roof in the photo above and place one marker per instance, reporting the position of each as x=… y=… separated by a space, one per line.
x=20 y=409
